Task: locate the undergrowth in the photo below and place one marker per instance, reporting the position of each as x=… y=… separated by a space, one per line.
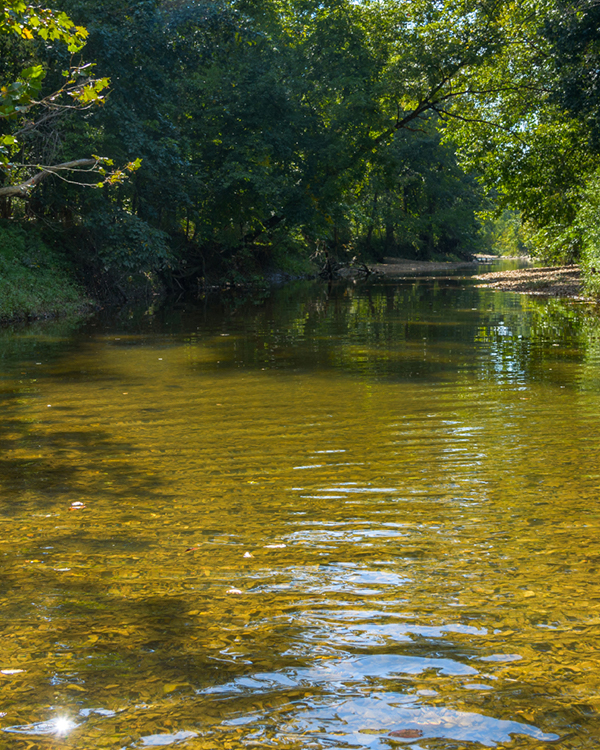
x=34 y=281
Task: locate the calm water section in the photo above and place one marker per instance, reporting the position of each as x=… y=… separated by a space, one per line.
x=356 y=517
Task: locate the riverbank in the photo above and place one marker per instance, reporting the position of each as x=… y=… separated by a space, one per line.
x=550 y=281
x=35 y=282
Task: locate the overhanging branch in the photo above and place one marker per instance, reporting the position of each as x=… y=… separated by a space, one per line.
x=23 y=189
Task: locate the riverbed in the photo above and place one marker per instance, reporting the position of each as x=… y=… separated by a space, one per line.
x=360 y=515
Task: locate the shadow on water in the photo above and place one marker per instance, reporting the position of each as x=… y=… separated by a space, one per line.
x=36 y=451
x=36 y=466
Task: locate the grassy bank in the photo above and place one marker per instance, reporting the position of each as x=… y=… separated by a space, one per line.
x=35 y=282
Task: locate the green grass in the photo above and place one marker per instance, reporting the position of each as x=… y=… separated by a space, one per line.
x=34 y=281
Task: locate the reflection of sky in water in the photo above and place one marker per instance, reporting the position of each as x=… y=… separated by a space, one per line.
x=349 y=578
x=61 y=726
x=344 y=535
x=158 y=740
x=384 y=665
x=501 y=657
x=342 y=708
x=334 y=672
x=365 y=722
x=347 y=533
x=372 y=633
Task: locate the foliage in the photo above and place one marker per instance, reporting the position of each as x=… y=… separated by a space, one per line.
x=31 y=112
x=268 y=127
x=503 y=234
x=589 y=225
x=573 y=33
x=572 y=29
x=417 y=202
x=19 y=96
x=257 y=130
x=530 y=153
x=25 y=20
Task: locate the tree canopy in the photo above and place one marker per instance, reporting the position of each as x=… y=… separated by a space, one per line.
x=269 y=131
x=26 y=109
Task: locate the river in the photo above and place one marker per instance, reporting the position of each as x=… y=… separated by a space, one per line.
x=363 y=516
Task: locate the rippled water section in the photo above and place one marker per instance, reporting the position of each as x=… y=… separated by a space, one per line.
x=356 y=517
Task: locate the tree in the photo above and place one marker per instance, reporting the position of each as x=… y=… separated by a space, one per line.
x=573 y=32
x=417 y=202
x=296 y=124
x=530 y=143
x=25 y=108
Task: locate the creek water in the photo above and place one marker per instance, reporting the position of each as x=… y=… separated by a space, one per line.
x=363 y=516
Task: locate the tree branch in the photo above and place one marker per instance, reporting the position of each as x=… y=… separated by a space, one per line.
x=443 y=113
x=23 y=189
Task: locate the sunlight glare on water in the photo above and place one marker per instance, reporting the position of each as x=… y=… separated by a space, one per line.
x=351 y=518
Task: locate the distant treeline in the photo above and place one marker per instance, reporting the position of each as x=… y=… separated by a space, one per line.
x=221 y=140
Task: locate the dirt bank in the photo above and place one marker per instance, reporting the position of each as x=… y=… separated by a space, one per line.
x=551 y=281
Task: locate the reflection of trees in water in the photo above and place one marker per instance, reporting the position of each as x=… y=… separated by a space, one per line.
x=590 y=374
x=373 y=330
x=412 y=330
x=398 y=331
x=539 y=333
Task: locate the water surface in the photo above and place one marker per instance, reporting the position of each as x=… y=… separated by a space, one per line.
x=355 y=517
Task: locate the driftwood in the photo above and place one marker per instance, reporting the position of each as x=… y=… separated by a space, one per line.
x=332 y=269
